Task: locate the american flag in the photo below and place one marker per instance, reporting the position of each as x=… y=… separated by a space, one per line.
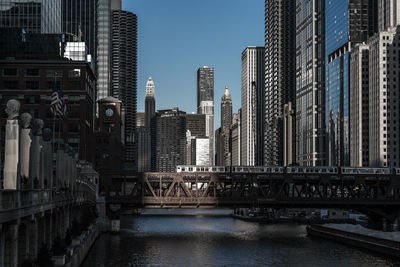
x=61 y=106
x=54 y=99
x=58 y=105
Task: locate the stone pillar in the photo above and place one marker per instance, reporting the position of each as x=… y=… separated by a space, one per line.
x=33 y=238
x=24 y=150
x=46 y=159
x=36 y=148
x=11 y=146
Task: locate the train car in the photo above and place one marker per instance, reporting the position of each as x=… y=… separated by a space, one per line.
x=358 y=170
x=192 y=168
x=257 y=169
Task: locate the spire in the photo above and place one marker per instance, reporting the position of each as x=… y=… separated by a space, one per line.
x=227 y=95
x=227 y=91
x=150 y=89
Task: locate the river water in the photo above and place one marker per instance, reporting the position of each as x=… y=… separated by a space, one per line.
x=212 y=238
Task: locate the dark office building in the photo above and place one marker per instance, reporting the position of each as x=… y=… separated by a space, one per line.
x=32 y=82
x=280 y=78
x=196 y=124
x=79 y=17
x=124 y=74
x=40 y=16
x=170 y=139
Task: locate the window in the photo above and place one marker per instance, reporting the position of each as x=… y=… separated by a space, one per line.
x=10 y=72
x=32 y=85
x=75 y=73
x=32 y=99
x=32 y=72
x=54 y=73
x=10 y=85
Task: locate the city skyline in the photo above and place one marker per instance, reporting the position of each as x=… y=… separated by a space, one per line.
x=173 y=67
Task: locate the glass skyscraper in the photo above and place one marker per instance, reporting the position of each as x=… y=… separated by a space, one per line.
x=79 y=17
x=347 y=24
x=310 y=83
x=40 y=16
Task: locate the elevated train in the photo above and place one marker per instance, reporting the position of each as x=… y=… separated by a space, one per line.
x=289 y=170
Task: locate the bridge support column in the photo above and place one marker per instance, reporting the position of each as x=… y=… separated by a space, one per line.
x=23 y=243
x=33 y=239
x=396 y=223
x=2 y=245
x=41 y=231
x=11 y=246
x=49 y=230
x=115 y=225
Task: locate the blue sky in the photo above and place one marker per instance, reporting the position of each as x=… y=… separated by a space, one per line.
x=176 y=37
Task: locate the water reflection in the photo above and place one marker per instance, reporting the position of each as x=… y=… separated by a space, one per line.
x=209 y=239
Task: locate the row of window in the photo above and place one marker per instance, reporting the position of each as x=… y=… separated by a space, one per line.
x=14 y=72
x=35 y=85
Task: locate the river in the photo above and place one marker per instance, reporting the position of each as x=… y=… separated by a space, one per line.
x=212 y=238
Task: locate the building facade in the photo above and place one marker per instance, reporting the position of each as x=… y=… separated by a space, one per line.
x=200 y=149
x=32 y=82
x=280 y=78
x=40 y=16
x=388 y=14
x=205 y=102
x=124 y=75
x=383 y=69
x=235 y=139
x=109 y=150
x=359 y=108
x=310 y=83
x=170 y=139
x=252 y=80
x=226 y=110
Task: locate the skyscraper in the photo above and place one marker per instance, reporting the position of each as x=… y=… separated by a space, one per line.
x=359 y=108
x=80 y=18
x=124 y=74
x=226 y=110
x=383 y=75
x=103 y=59
x=170 y=139
x=388 y=14
x=350 y=28
x=236 y=139
x=150 y=103
x=205 y=102
x=40 y=16
x=252 y=80
x=280 y=79
x=310 y=83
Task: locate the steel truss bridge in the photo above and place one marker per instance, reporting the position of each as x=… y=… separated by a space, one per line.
x=375 y=194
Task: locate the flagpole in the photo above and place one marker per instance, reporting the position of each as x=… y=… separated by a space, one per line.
x=54 y=118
